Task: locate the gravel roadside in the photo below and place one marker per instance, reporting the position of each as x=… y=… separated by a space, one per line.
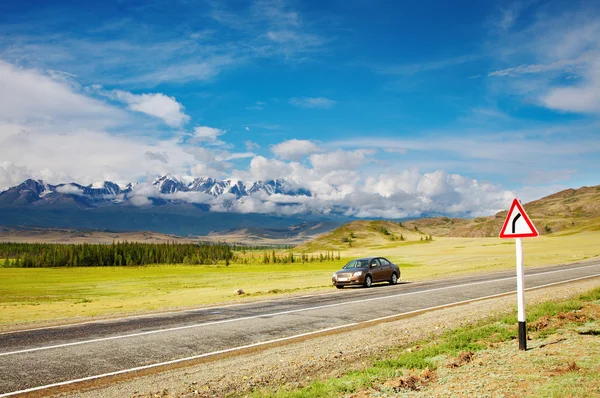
x=298 y=364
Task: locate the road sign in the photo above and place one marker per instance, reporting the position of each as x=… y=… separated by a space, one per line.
x=518 y=224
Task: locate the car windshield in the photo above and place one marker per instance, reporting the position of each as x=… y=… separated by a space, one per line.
x=357 y=264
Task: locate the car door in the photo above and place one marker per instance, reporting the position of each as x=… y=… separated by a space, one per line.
x=386 y=268
x=376 y=270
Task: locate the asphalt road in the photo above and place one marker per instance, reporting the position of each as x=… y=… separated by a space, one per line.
x=35 y=358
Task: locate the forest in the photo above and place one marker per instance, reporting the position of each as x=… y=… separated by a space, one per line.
x=32 y=255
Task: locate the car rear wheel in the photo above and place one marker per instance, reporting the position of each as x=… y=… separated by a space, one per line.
x=368 y=281
x=394 y=279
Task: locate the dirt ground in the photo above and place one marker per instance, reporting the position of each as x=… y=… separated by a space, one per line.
x=296 y=365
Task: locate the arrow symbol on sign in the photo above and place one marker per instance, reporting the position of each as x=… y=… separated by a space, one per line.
x=515 y=222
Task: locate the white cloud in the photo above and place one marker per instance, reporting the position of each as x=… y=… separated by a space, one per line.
x=69 y=189
x=561 y=50
x=11 y=174
x=158 y=105
x=583 y=97
x=561 y=65
x=208 y=135
x=57 y=133
x=31 y=96
x=341 y=160
x=250 y=145
x=262 y=168
x=294 y=149
x=313 y=103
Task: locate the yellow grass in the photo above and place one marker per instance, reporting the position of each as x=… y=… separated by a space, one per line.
x=32 y=296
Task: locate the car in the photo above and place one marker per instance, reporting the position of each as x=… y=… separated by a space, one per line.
x=365 y=272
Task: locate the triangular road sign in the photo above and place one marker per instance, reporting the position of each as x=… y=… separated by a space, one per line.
x=518 y=224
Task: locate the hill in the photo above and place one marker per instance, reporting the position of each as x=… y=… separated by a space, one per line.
x=568 y=211
x=365 y=233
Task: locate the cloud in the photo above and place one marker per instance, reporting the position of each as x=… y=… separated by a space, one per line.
x=58 y=133
x=11 y=174
x=508 y=17
x=157 y=105
x=69 y=189
x=30 y=95
x=208 y=135
x=312 y=103
x=565 y=64
x=294 y=149
x=583 y=97
x=414 y=68
x=341 y=160
x=250 y=146
x=557 y=57
x=161 y=157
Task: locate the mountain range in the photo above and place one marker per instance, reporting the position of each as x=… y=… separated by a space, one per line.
x=39 y=193
x=168 y=205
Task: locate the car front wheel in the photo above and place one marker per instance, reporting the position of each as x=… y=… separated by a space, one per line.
x=394 y=279
x=368 y=281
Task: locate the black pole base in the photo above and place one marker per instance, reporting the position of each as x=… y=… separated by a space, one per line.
x=522 y=336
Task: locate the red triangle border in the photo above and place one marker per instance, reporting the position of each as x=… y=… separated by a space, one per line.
x=532 y=234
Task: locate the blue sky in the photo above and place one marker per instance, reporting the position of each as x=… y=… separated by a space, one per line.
x=465 y=103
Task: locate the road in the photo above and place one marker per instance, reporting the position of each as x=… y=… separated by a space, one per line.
x=34 y=360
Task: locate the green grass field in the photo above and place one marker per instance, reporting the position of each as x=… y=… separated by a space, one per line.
x=56 y=295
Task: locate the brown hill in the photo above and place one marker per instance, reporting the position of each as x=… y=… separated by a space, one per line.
x=568 y=211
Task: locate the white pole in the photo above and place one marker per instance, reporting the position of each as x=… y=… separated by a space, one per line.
x=521 y=296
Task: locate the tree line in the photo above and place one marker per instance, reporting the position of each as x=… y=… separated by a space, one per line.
x=31 y=255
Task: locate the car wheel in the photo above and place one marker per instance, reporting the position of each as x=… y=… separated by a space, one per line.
x=394 y=279
x=340 y=287
x=368 y=281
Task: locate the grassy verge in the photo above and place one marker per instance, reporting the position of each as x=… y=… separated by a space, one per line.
x=482 y=358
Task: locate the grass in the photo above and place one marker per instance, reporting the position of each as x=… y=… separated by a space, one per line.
x=454 y=349
x=29 y=296
x=45 y=294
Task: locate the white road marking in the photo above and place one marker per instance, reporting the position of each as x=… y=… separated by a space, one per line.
x=349 y=325
x=362 y=300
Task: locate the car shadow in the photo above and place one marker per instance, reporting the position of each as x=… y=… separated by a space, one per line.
x=377 y=286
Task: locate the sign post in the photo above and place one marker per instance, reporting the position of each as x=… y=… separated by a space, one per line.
x=516 y=226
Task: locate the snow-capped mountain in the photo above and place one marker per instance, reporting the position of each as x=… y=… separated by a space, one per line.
x=167 y=205
x=37 y=192
x=169 y=184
